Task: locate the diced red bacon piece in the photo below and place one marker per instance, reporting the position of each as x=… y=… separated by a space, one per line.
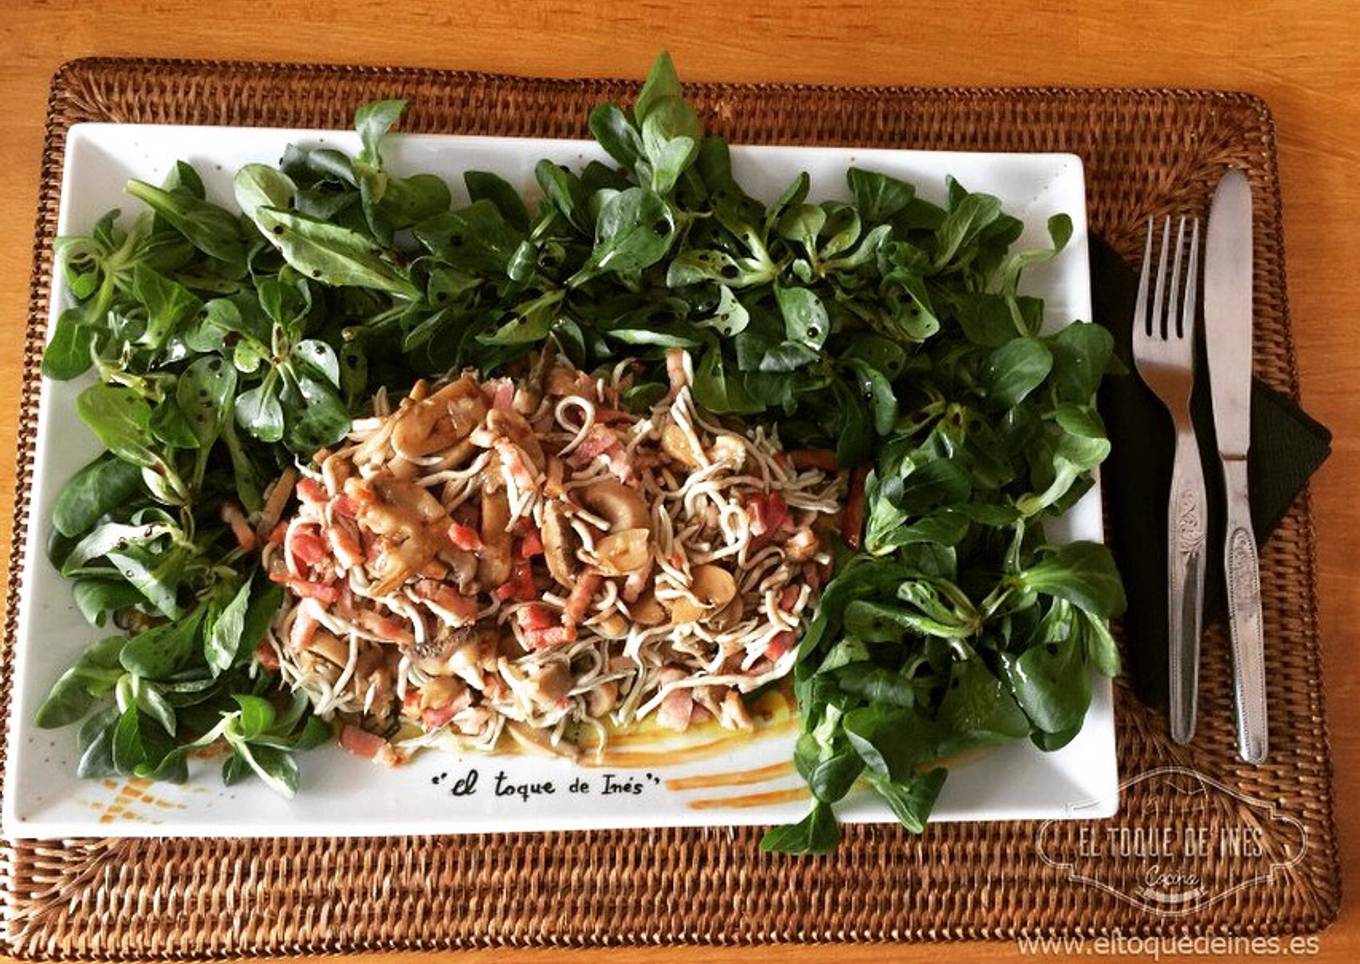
x=464 y=537
x=309 y=490
x=240 y=528
x=578 y=603
x=676 y=710
x=824 y=459
x=445 y=597
x=266 y=657
x=779 y=645
x=343 y=505
x=345 y=543
x=767 y=513
x=436 y=716
x=787 y=598
x=812 y=575
x=502 y=393
x=536 y=616
x=304 y=589
x=549 y=637
x=531 y=544
x=304 y=629
x=852 y=524
x=360 y=742
x=520 y=585
x=306 y=545
x=597 y=441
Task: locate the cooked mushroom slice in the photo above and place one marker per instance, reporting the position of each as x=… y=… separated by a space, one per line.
x=728 y=449
x=616 y=503
x=557 y=536
x=454 y=650
x=602 y=698
x=623 y=552
x=612 y=626
x=676 y=444
x=328 y=645
x=549 y=683
x=647 y=611
x=713 y=586
x=440 y=421
x=493 y=560
x=462 y=568
x=511 y=425
x=728 y=616
x=407 y=517
x=802 y=545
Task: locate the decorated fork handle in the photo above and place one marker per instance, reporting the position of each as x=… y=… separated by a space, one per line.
x=1187 y=522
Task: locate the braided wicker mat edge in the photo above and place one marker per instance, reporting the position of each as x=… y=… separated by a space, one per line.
x=1146 y=152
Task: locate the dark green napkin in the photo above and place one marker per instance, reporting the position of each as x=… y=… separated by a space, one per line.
x=1287 y=446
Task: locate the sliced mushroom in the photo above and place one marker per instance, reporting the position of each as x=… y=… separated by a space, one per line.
x=512 y=426
x=613 y=626
x=443 y=691
x=676 y=444
x=733 y=715
x=493 y=560
x=549 y=683
x=713 y=586
x=462 y=567
x=623 y=552
x=557 y=536
x=407 y=517
x=455 y=649
x=616 y=503
x=647 y=611
x=728 y=449
x=602 y=698
x=552 y=482
x=802 y=545
x=562 y=380
x=728 y=616
x=437 y=422
x=328 y=645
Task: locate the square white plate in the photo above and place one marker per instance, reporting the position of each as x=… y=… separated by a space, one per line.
x=344 y=795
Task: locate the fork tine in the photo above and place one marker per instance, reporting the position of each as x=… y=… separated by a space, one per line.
x=1140 y=315
x=1173 y=307
x=1191 y=283
x=1158 y=329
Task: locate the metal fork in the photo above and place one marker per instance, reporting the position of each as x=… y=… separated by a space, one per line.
x=1164 y=352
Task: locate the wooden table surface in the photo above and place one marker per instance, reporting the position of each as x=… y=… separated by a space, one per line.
x=1303 y=57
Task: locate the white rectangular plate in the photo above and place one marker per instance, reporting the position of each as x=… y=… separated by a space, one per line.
x=344 y=795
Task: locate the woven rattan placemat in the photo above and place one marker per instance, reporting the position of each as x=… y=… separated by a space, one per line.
x=1146 y=152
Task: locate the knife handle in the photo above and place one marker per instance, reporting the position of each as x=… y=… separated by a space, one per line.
x=1244 y=616
x=1187 y=516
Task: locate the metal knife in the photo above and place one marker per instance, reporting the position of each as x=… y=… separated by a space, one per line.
x=1227 y=341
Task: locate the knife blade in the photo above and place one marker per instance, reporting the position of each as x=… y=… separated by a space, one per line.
x=1227 y=342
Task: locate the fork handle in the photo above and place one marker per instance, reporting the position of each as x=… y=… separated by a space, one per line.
x=1187 y=523
x=1244 y=616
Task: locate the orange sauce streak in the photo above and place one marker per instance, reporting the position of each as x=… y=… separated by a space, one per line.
x=131 y=792
x=750 y=799
x=732 y=778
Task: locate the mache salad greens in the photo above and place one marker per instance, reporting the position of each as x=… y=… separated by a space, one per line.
x=886 y=329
